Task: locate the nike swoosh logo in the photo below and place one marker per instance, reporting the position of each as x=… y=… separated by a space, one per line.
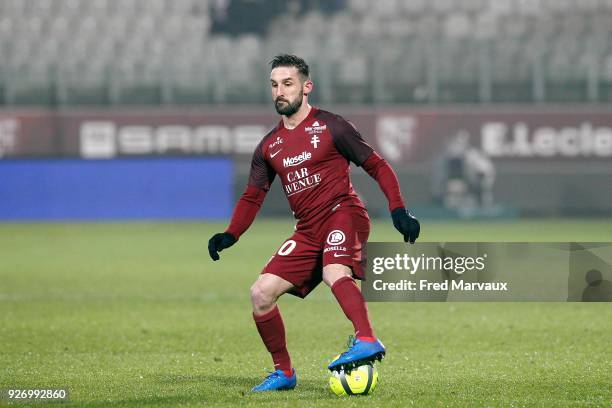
x=339 y=255
x=274 y=154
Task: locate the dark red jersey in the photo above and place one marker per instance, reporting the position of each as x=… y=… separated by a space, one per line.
x=312 y=162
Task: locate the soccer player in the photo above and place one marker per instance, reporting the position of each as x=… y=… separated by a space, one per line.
x=310 y=150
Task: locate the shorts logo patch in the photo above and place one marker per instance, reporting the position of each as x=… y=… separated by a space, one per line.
x=336 y=237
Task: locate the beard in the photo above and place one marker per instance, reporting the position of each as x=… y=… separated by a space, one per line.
x=284 y=107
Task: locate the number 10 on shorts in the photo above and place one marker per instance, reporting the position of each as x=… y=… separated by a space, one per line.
x=287 y=247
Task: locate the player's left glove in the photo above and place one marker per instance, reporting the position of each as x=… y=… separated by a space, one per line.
x=218 y=243
x=406 y=224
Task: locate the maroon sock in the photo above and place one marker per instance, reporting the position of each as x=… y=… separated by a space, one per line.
x=354 y=307
x=272 y=331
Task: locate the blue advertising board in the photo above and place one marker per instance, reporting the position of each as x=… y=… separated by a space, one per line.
x=135 y=188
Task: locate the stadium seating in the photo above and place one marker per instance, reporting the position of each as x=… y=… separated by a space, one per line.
x=391 y=51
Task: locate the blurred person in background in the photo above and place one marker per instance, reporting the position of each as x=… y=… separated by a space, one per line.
x=463 y=176
x=237 y=17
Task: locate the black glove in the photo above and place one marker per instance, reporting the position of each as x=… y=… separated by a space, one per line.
x=218 y=243
x=406 y=224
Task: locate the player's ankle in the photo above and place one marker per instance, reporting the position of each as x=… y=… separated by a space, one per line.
x=288 y=373
x=368 y=339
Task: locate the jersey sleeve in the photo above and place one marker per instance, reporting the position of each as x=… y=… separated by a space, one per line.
x=348 y=141
x=379 y=170
x=261 y=177
x=246 y=210
x=261 y=174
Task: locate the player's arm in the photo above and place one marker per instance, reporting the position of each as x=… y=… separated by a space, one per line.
x=247 y=207
x=351 y=145
x=403 y=220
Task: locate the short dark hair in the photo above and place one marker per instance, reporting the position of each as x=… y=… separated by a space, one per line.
x=288 y=60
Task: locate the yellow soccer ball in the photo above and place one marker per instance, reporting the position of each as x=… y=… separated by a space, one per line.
x=360 y=381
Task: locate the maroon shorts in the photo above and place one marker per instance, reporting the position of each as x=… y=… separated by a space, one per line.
x=340 y=238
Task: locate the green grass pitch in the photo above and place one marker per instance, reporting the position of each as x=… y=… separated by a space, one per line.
x=136 y=314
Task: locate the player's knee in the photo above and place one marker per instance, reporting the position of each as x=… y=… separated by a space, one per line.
x=261 y=298
x=333 y=272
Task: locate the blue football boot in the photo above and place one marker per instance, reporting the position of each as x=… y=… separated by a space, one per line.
x=359 y=353
x=277 y=381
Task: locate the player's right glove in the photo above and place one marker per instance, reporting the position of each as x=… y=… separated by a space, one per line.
x=218 y=243
x=406 y=224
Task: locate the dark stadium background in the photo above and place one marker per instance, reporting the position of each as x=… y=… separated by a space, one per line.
x=125 y=79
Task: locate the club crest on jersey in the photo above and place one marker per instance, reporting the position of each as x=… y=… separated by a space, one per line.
x=297 y=160
x=336 y=237
x=315 y=141
x=315 y=128
x=278 y=141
